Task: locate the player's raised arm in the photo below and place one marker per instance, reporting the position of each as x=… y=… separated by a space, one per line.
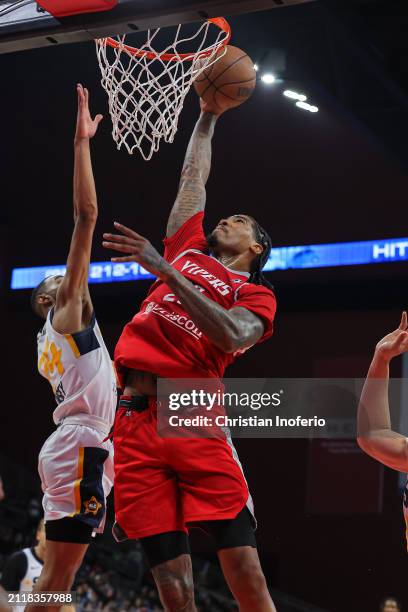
x=73 y=308
x=191 y=195
x=375 y=435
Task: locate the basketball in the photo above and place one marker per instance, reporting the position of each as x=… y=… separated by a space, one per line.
x=229 y=81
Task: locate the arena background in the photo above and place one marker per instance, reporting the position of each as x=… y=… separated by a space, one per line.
x=333 y=538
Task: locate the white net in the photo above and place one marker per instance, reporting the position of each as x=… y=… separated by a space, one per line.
x=146 y=88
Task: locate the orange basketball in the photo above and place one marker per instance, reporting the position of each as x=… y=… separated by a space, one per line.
x=229 y=81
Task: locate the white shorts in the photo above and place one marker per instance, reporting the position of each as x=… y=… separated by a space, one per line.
x=76 y=471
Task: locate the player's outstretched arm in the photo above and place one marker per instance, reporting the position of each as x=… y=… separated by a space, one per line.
x=191 y=195
x=73 y=308
x=375 y=435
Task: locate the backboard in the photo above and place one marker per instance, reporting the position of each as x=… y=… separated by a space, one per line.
x=24 y=25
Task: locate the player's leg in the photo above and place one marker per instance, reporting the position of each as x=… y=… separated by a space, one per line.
x=76 y=470
x=148 y=506
x=242 y=571
x=236 y=548
x=169 y=558
x=62 y=558
x=215 y=497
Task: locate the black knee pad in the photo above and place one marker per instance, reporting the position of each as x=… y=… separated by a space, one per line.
x=231 y=533
x=165 y=547
x=68 y=529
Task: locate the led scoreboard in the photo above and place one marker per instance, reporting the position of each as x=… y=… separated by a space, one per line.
x=281 y=258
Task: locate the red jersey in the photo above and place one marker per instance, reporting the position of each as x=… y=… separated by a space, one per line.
x=163 y=339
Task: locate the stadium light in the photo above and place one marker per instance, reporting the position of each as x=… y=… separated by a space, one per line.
x=268 y=78
x=293 y=95
x=308 y=107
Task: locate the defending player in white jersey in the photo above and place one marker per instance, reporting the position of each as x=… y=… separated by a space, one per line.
x=375 y=435
x=22 y=570
x=75 y=464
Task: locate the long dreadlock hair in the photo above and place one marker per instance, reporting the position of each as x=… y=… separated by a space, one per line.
x=260 y=260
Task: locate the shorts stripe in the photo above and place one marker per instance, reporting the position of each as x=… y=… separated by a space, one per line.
x=77 y=484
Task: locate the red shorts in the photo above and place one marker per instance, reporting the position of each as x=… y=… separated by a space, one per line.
x=165 y=484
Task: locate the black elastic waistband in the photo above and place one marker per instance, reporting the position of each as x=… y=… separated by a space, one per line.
x=139 y=403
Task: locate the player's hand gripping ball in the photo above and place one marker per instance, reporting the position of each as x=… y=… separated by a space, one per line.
x=227 y=83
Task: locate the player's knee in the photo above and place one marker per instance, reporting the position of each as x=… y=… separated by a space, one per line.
x=176 y=590
x=249 y=584
x=59 y=572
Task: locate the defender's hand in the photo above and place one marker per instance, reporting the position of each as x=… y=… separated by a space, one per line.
x=86 y=126
x=395 y=343
x=139 y=249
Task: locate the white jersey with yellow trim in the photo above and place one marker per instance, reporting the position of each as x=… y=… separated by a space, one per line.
x=80 y=371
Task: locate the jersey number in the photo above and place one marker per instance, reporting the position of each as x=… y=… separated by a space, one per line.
x=50 y=359
x=171 y=297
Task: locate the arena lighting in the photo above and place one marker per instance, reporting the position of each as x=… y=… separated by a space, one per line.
x=308 y=107
x=256 y=67
x=293 y=95
x=281 y=258
x=268 y=78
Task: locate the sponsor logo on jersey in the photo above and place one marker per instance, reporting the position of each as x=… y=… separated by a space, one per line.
x=149 y=307
x=176 y=318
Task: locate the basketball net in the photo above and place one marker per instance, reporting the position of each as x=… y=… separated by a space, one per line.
x=146 y=88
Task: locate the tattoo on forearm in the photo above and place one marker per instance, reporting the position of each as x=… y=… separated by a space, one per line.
x=230 y=330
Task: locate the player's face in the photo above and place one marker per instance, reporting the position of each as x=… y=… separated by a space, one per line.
x=49 y=293
x=235 y=234
x=390 y=606
x=52 y=285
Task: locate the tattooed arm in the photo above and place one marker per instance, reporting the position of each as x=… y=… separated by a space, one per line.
x=230 y=330
x=196 y=169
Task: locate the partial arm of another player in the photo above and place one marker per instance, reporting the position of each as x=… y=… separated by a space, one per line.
x=375 y=435
x=230 y=330
x=73 y=307
x=191 y=195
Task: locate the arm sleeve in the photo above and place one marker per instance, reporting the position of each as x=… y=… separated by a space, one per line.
x=189 y=236
x=262 y=302
x=14 y=571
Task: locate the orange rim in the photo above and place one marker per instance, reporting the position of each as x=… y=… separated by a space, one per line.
x=168 y=57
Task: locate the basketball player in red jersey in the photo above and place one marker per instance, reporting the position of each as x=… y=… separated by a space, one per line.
x=209 y=304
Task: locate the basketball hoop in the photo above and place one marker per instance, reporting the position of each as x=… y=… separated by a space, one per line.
x=146 y=88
